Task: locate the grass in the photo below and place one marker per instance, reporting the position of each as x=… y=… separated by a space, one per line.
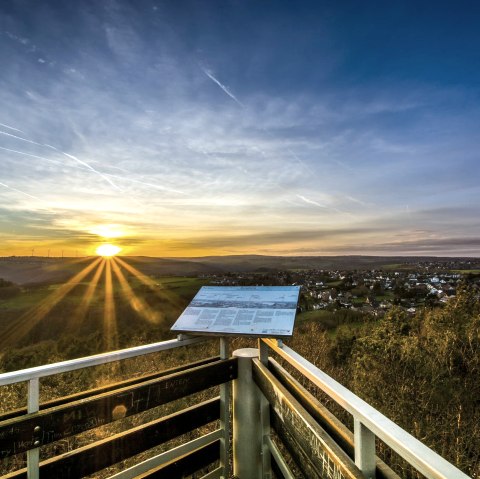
x=385 y=296
x=398 y=266
x=185 y=287
x=317 y=315
x=466 y=271
x=355 y=326
x=335 y=283
x=25 y=300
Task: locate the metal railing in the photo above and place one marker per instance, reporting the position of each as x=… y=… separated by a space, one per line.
x=272 y=414
x=368 y=422
x=43 y=423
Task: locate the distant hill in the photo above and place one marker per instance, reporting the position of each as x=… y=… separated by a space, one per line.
x=29 y=270
x=251 y=263
x=37 y=270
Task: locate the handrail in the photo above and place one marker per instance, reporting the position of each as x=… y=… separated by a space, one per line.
x=421 y=457
x=96 y=360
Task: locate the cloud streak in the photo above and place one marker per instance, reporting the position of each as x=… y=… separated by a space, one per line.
x=11 y=127
x=18 y=191
x=309 y=201
x=222 y=86
x=310 y=136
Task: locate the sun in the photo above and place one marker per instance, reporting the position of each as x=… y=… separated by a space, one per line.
x=108 y=250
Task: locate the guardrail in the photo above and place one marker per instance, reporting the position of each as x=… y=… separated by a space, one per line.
x=279 y=429
x=29 y=429
x=368 y=423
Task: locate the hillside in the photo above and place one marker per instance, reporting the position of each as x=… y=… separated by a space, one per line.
x=30 y=270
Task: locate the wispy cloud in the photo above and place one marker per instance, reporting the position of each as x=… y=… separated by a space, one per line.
x=309 y=201
x=222 y=86
x=72 y=157
x=89 y=167
x=18 y=191
x=20 y=138
x=298 y=143
x=11 y=127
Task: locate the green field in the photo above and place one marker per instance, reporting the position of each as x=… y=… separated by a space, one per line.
x=50 y=311
x=465 y=271
x=25 y=300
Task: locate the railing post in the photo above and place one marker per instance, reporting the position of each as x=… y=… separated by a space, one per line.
x=364 y=442
x=225 y=397
x=265 y=418
x=33 y=455
x=247 y=427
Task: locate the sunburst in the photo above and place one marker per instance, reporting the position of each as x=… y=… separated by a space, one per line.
x=108 y=250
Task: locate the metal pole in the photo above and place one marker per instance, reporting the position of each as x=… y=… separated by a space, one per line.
x=33 y=455
x=364 y=441
x=265 y=418
x=225 y=421
x=247 y=426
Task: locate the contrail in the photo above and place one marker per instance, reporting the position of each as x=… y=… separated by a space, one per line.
x=20 y=138
x=223 y=87
x=124 y=178
x=151 y=185
x=309 y=201
x=86 y=165
x=38 y=157
x=19 y=191
x=302 y=163
x=11 y=127
x=66 y=154
x=355 y=200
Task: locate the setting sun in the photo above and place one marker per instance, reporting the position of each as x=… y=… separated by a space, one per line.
x=108 y=250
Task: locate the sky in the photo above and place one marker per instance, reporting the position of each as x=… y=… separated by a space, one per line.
x=193 y=128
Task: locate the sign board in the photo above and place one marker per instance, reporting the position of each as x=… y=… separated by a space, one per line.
x=267 y=311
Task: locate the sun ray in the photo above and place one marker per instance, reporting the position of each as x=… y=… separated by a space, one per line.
x=110 y=332
x=138 y=304
x=163 y=294
x=80 y=314
x=25 y=323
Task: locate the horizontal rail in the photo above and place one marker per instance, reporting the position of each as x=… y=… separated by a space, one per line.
x=325 y=456
x=37 y=429
x=215 y=474
x=279 y=462
x=167 y=456
x=334 y=428
x=98 y=455
x=187 y=464
x=96 y=360
x=421 y=457
x=104 y=389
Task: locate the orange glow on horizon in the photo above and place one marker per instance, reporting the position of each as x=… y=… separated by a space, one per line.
x=108 y=250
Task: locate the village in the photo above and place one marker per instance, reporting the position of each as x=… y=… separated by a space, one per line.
x=372 y=291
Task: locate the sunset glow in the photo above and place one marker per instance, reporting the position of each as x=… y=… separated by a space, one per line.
x=108 y=250
x=318 y=133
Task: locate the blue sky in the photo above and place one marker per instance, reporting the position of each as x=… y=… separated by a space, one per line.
x=226 y=127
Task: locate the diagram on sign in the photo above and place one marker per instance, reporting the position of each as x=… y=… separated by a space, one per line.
x=267 y=311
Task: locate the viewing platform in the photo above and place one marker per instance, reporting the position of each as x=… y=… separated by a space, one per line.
x=261 y=422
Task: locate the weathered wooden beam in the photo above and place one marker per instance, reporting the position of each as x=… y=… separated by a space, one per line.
x=336 y=429
x=94 y=457
x=34 y=430
x=301 y=459
x=325 y=456
x=111 y=387
x=187 y=464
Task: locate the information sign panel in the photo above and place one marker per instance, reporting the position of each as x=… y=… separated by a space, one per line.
x=267 y=311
